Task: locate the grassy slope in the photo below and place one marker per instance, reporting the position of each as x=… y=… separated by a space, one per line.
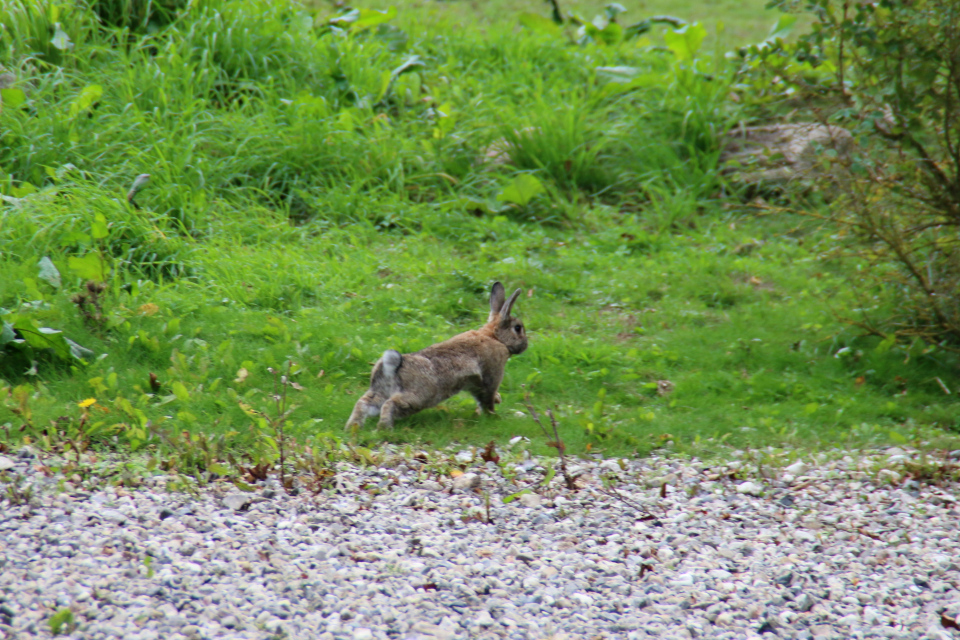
x=743 y=22
x=637 y=268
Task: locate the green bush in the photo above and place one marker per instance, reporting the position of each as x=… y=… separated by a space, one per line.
x=890 y=72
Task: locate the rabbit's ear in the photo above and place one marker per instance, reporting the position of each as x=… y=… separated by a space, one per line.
x=508 y=305
x=497 y=294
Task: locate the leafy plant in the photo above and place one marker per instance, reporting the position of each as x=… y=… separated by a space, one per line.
x=275 y=423
x=895 y=80
x=554 y=442
x=62 y=622
x=18 y=492
x=23 y=343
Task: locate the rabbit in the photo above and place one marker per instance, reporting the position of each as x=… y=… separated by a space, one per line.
x=474 y=361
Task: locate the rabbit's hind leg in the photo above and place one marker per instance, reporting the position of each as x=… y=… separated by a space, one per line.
x=399 y=405
x=367 y=406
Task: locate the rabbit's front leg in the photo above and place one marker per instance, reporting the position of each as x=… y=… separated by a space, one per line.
x=487 y=396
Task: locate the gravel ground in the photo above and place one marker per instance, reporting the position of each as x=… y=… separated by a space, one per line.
x=843 y=548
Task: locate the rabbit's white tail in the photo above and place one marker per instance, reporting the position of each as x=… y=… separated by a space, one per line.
x=392 y=359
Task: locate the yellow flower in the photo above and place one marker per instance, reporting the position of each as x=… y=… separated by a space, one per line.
x=87 y=403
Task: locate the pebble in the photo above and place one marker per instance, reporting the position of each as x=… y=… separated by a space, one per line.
x=749 y=488
x=236 y=501
x=796 y=469
x=842 y=554
x=531 y=500
x=466 y=482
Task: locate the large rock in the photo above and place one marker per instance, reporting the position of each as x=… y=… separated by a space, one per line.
x=776 y=155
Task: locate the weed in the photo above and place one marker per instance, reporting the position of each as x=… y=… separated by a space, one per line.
x=18 y=492
x=555 y=442
x=90 y=303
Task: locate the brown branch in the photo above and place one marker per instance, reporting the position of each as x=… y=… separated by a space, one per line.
x=613 y=493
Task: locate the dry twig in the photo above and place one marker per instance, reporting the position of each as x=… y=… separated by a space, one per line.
x=556 y=443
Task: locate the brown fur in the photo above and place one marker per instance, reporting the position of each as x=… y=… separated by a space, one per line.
x=473 y=361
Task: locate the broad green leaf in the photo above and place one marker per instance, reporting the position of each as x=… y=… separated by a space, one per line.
x=394 y=37
x=219 y=469
x=618 y=74
x=589 y=32
x=614 y=9
x=360 y=19
x=74 y=237
x=521 y=190
x=685 y=42
x=77 y=351
x=897 y=437
x=49 y=272
x=61 y=621
x=611 y=34
x=87 y=98
x=180 y=391
x=89 y=267
x=783 y=26
x=372 y=18
x=90 y=95
x=540 y=24
x=32 y=289
x=346 y=19
x=472 y=204
x=886 y=344
x=514 y=496
x=411 y=63
x=12 y=98
x=43 y=338
x=7 y=334
x=23 y=190
x=98 y=228
x=547 y=478
x=243 y=486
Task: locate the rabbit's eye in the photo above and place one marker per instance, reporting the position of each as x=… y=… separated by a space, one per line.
x=518 y=328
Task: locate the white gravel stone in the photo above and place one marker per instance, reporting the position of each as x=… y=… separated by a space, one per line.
x=466 y=482
x=6 y=463
x=236 y=501
x=749 y=488
x=840 y=554
x=798 y=468
x=530 y=500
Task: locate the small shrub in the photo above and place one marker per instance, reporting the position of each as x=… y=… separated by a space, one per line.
x=895 y=82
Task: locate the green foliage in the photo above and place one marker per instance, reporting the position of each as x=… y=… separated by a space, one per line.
x=322 y=188
x=888 y=72
x=23 y=343
x=62 y=622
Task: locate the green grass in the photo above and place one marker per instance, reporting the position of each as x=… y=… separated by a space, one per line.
x=304 y=208
x=742 y=22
